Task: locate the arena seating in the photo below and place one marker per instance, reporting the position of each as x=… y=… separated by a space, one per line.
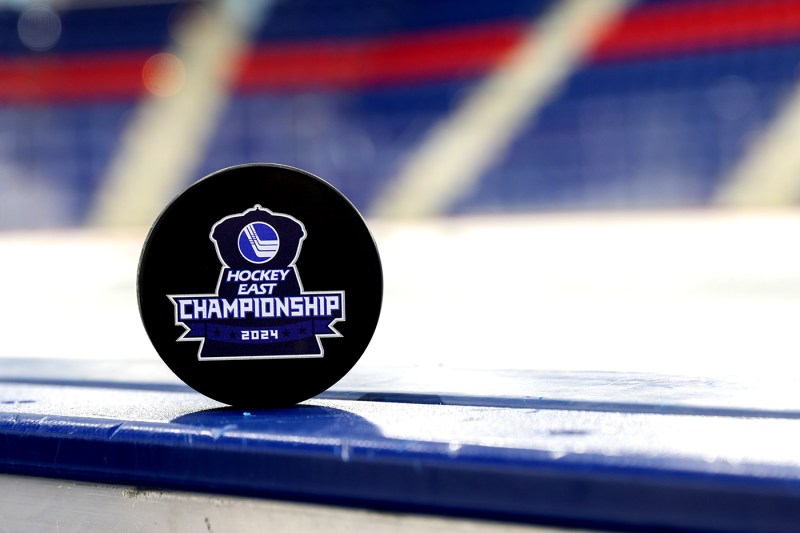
x=667 y=103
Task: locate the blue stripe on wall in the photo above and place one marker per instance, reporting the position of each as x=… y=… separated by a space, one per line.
x=99 y=29
x=315 y=19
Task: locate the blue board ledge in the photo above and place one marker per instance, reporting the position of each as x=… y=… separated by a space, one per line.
x=585 y=449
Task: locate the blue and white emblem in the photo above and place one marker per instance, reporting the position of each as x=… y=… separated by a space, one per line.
x=260 y=308
x=258 y=242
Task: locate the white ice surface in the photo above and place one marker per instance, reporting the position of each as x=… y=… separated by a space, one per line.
x=693 y=293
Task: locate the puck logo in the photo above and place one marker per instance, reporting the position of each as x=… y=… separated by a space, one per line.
x=258 y=242
x=260 y=309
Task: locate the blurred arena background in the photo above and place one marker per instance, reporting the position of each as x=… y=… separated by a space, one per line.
x=579 y=184
x=108 y=108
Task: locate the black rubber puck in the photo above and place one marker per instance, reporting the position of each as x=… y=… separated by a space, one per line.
x=260 y=286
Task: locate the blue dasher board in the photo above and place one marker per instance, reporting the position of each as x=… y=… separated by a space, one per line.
x=606 y=450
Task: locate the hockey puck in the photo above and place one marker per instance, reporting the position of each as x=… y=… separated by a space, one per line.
x=260 y=286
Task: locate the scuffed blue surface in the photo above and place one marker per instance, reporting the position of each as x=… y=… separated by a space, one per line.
x=607 y=466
